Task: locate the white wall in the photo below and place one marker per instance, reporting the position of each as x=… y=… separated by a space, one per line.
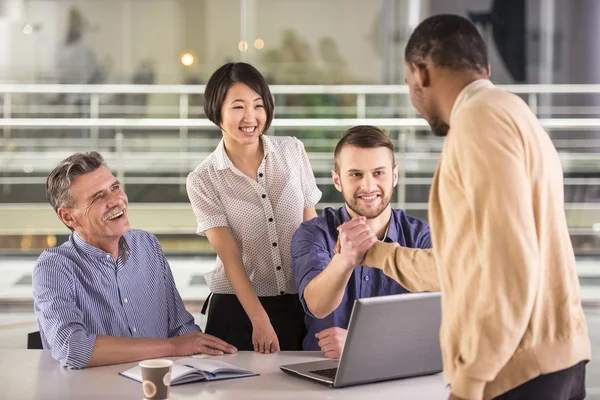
x=222 y=21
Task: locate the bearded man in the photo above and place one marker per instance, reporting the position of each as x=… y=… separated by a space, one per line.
x=366 y=174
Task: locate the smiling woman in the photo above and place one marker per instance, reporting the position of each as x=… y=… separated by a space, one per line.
x=243 y=120
x=249 y=196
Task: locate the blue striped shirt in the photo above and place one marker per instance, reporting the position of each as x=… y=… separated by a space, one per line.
x=80 y=291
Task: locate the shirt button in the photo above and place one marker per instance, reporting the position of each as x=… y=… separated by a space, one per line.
x=108 y=256
x=260 y=175
x=367 y=278
x=125 y=300
x=274 y=244
x=264 y=196
x=270 y=219
x=278 y=268
x=282 y=292
x=134 y=330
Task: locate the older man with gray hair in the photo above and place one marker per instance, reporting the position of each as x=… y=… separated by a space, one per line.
x=107 y=295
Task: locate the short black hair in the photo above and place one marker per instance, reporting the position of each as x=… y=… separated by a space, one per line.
x=448 y=41
x=224 y=78
x=364 y=137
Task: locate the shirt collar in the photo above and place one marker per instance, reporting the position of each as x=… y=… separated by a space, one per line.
x=93 y=251
x=391 y=233
x=222 y=160
x=469 y=91
x=345 y=215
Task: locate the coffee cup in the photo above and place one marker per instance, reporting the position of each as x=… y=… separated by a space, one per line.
x=156 y=378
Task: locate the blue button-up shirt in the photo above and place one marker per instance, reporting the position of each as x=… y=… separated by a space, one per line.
x=312 y=251
x=80 y=291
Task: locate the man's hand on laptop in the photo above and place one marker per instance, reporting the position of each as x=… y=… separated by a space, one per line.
x=331 y=341
x=198 y=342
x=354 y=240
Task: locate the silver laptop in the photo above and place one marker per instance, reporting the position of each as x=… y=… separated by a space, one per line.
x=389 y=337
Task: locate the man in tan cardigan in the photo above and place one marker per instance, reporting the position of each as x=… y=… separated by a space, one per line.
x=512 y=321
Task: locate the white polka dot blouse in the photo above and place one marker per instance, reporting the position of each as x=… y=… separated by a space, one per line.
x=261 y=214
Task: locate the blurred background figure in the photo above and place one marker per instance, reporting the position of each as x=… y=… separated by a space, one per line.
x=77 y=63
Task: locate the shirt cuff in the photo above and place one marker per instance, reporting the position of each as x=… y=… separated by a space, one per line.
x=213 y=222
x=188 y=328
x=79 y=351
x=310 y=276
x=305 y=307
x=314 y=197
x=466 y=387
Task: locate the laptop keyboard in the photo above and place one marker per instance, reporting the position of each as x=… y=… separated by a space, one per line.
x=327 y=373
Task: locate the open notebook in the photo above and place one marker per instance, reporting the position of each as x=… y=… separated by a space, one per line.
x=191 y=369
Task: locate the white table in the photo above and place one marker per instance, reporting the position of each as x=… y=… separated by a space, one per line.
x=34 y=374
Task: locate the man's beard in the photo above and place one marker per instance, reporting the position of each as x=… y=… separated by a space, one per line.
x=438 y=127
x=353 y=204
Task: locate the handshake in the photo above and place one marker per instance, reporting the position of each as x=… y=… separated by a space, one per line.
x=355 y=238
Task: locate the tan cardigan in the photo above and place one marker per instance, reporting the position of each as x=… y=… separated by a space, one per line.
x=502 y=255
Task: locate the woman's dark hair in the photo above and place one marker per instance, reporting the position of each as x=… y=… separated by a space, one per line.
x=227 y=76
x=448 y=41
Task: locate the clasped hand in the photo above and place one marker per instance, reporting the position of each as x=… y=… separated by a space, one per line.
x=355 y=238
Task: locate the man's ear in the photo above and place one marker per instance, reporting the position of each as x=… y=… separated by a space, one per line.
x=489 y=70
x=421 y=74
x=67 y=217
x=336 y=180
x=395 y=174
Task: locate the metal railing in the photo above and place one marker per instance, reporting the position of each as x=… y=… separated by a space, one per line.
x=360 y=92
x=131 y=156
